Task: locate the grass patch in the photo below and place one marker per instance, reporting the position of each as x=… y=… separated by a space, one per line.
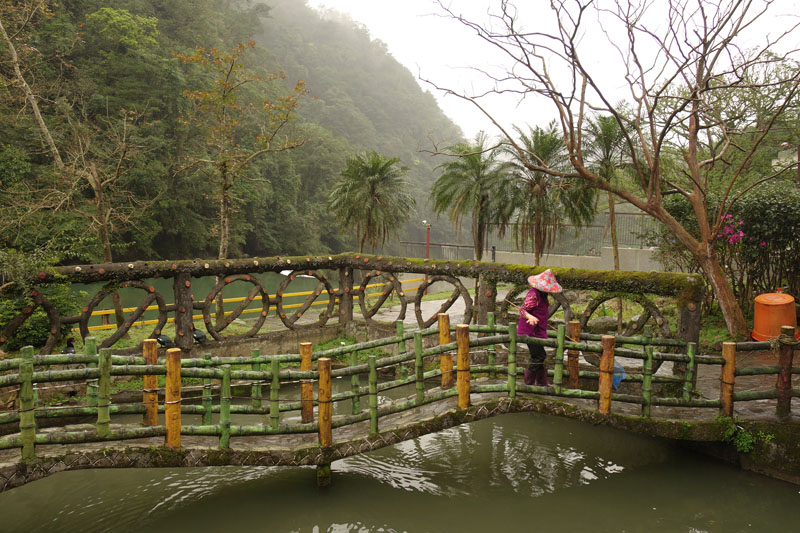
x=362 y=356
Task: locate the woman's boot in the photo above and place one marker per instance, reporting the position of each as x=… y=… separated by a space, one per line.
x=530 y=377
x=541 y=377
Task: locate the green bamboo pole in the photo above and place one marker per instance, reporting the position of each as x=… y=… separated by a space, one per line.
x=90 y=345
x=373 y=396
x=27 y=415
x=691 y=368
x=104 y=394
x=647 y=381
x=492 y=351
x=418 y=369
x=225 y=409
x=255 y=391
x=558 y=367
x=274 y=395
x=512 y=361
x=355 y=384
x=206 y=399
x=401 y=345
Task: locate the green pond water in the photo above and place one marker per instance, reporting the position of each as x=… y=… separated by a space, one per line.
x=521 y=472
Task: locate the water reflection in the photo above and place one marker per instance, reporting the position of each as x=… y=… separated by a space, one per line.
x=514 y=472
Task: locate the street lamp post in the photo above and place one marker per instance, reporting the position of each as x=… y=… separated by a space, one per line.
x=427 y=245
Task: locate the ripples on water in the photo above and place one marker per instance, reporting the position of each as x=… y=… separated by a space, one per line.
x=517 y=472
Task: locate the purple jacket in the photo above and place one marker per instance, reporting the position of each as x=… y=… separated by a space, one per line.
x=535 y=304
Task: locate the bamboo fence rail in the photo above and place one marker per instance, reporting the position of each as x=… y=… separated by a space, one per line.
x=435 y=384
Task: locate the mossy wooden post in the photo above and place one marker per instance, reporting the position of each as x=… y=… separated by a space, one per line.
x=401 y=346
x=150 y=384
x=446 y=359
x=605 y=380
x=274 y=394
x=324 y=400
x=419 y=370
x=647 y=380
x=307 y=385
x=27 y=413
x=784 y=385
x=727 y=378
x=491 y=350
x=104 y=394
x=172 y=398
x=225 y=409
x=355 y=385
x=691 y=370
x=184 y=321
x=255 y=388
x=573 y=334
x=373 y=395
x=90 y=345
x=462 y=340
x=206 y=399
x=558 y=359
x=345 y=295
x=512 y=361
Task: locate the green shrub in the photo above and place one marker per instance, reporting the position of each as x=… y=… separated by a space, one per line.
x=36 y=328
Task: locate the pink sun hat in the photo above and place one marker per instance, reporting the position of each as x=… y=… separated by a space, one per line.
x=545 y=282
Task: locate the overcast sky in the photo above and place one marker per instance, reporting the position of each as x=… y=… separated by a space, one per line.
x=440 y=49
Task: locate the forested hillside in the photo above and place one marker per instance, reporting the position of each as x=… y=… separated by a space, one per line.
x=123 y=171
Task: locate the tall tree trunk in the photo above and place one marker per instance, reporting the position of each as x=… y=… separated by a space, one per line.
x=615 y=247
x=224 y=239
x=726 y=299
x=103 y=215
x=31 y=98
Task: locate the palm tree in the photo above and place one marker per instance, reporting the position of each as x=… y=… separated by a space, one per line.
x=604 y=153
x=465 y=187
x=538 y=202
x=372 y=196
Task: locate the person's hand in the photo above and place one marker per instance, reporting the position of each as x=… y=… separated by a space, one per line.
x=532 y=320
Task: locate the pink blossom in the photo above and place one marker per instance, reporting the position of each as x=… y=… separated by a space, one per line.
x=763 y=243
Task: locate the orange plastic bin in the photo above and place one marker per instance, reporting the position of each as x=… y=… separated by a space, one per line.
x=773 y=310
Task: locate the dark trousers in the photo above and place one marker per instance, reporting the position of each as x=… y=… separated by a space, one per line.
x=538 y=356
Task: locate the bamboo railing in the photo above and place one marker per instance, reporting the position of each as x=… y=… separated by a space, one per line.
x=279 y=371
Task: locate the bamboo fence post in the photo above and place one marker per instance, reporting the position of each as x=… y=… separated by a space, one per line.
x=558 y=360
x=27 y=413
x=274 y=394
x=647 y=380
x=419 y=372
x=462 y=339
x=491 y=350
x=573 y=334
x=373 y=395
x=104 y=394
x=727 y=378
x=691 y=369
x=255 y=389
x=401 y=346
x=172 y=398
x=784 y=385
x=512 y=361
x=446 y=359
x=206 y=400
x=606 y=373
x=355 y=385
x=225 y=409
x=150 y=384
x=324 y=400
x=307 y=385
x=90 y=345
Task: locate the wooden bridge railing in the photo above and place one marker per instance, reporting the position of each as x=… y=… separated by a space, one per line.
x=339 y=288
x=256 y=371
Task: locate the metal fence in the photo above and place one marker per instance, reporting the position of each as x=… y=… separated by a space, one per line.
x=571 y=240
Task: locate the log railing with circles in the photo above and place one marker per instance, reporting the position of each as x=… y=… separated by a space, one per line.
x=374 y=282
x=286 y=412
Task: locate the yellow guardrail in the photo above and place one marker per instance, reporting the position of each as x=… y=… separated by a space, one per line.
x=141 y=323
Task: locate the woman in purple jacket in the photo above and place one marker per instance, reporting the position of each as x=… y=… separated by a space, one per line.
x=533 y=315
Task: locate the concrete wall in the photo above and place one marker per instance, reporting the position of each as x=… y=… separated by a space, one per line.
x=634 y=259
